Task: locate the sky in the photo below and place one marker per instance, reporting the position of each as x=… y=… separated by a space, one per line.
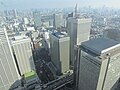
x=27 y=4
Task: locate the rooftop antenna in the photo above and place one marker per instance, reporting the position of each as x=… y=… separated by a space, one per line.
x=76 y=10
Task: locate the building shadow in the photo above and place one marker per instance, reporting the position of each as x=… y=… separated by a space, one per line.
x=17 y=85
x=116 y=86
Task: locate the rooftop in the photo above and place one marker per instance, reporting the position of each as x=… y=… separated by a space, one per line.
x=60 y=34
x=19 y=37
x=100 y=45
x=30 y=75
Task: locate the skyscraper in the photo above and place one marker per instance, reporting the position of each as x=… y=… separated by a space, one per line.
x=79 y=31
x=98 y=64
x=58 y=20
x=37 y=19
x=112 y=34
x=59 y=46
x=8 y=68
x=14 y=13
x=76 y=11
x=23 y=53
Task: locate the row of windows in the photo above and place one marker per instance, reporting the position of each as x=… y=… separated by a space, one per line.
x=91 y=60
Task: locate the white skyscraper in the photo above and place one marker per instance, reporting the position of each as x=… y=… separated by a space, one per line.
x=23 y=54
x=14 y=13
x=59 y=46
x=8 y=69
x=58 y=20
x=37 y=19
x=79 y=31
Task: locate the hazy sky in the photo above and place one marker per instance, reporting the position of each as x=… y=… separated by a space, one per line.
x=25 y=4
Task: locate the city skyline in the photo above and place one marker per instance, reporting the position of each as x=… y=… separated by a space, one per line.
x=28 y=4
x=59 y=45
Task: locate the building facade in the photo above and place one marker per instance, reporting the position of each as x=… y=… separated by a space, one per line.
x=23 y=53
x=59 y=47
x=79 y=31
x=98 y=65
x=8 y=69
x=37 y=19
x=113 y=34
x=57 y=20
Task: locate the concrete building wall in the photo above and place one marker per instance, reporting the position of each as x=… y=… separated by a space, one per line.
x=83 y=32
x=73 y=40
x=102 y=75
x=99 y=71
x=69 y=23
x=79 y=31
x=54 y=48
x=112 y=34
x=109 y=76
x=64 y=53
x=89 y=72
x=59 y=48
x=58 y=20
x=97 y=75
x=8 y=68
x=37 y=19
x=113 y=73
x=23 y=53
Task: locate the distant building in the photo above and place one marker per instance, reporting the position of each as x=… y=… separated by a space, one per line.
x=47 y=38
x=97 y=65
x=112 y=34
x=23 y=53
x=8 y=69
x=35 y=35
x=51 y=23
x=46 y=24
x=37 y=19
x=79 y=31
x=58 y=20
x=59 y=46
x=70 y=14
x=30 y=28
x=14 y=13
x=25 y=21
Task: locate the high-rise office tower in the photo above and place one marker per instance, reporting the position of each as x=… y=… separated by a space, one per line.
x=58 y=20
x=8 y=68
x=37 y=19
x=79 y=31
x=14 y=13
x=112 y=34
x=23 y=53
x=98 y=65
x=59 y=46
